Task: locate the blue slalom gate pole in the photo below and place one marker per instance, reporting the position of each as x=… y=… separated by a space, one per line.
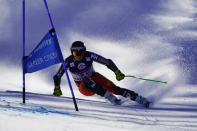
x=23 y=4
x=70 y=85
x=50 y=19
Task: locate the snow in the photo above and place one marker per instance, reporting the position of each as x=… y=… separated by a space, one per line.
x=153 y=39
x=46 y=112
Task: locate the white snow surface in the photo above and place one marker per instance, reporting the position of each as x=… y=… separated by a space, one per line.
x=145 y=54
x=44 y=112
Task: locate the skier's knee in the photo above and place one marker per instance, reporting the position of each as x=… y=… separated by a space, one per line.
x=94 y=87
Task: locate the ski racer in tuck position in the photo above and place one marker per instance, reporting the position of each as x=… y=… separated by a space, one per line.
x=91 y=82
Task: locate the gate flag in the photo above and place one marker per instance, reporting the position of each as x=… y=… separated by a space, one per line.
x=46 y=53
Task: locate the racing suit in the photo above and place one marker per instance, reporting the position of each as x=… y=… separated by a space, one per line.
x=89 y=81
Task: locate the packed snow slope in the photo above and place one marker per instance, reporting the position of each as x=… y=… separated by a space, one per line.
x=46 y=112
x=153 y=39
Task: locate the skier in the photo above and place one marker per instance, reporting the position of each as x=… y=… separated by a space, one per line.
x=91 y=82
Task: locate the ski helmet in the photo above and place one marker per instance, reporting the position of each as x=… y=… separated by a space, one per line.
x=77 y=46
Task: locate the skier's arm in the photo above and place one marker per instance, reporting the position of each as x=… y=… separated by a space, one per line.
x=57 y=77
x=107 y=62
x=110 y=64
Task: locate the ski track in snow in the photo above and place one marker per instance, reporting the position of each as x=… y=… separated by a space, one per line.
x=167 y=114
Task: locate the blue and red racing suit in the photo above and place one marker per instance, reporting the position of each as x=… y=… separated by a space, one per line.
x=85 y=77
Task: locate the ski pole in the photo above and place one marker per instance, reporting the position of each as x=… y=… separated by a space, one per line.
x=164 y=82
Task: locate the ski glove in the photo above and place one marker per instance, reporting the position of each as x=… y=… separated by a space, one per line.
x=119 y=75
x=57 y=91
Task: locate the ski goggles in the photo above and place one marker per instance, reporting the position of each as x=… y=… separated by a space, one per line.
x=77 y=53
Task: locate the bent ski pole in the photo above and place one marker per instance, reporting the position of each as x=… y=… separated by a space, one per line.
x=164 y=82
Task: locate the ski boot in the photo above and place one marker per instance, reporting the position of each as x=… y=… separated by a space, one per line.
x=143 y=101
x=113 y=99
x=57 y=91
